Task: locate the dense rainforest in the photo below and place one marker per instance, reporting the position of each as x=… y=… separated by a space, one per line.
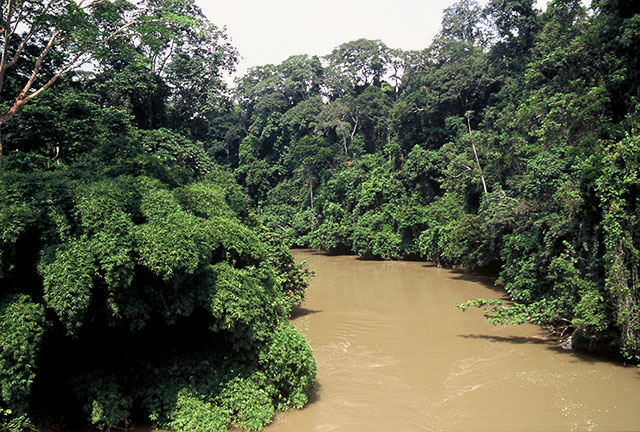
x=147 y=210
x=509 y=145
x=135 y=283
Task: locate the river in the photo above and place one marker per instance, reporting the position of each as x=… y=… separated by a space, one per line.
x=395 y=354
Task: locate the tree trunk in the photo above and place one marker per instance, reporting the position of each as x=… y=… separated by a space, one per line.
x=355 y=129
x=149 y=116
x=311 y=193
x=475 y=152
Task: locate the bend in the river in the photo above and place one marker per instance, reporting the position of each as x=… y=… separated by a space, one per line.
x=395 y=354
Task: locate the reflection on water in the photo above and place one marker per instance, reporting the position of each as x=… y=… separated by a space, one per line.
x=394 y=354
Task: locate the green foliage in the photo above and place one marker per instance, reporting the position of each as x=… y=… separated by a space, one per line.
x=68 y=282
x=373 y=237
x=463 y=21
x=335 y=232
x=172 y=241
x=23 y=328
x=253 y=405
x=441 y=218
x=509 y=145
x=194 y=414
x=294 y=277
x=618 y=191
x=540 y=312
x=355 y=65
x=247 y=316
x=133 y=257
x=289 y=365
x=479 y=237
x=126 y=253
x=210 y=391
x=487 y=155
x=177 y=152
x=105 y=402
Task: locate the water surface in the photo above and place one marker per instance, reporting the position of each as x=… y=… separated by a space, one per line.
x=394 y=354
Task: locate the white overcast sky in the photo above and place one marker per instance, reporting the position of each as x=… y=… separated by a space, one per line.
x=269 y=31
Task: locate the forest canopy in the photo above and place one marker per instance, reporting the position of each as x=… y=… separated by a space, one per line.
x=147 y=210
x=135 y=282
x=509 y=145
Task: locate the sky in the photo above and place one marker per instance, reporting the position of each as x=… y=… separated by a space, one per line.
x=269 y=31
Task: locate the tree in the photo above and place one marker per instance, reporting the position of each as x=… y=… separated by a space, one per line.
x=301 y=77
x=369 y=112
x=135 y=250
x=463 y=21
x=396 y=61
x=44 y=39
x=515 y=23
x=200 y=56
x=70 y=29
x=333 y=123
x=355 y=65
x=313 y=155
x=468 y=115
x=269 y=88
x=618 y=189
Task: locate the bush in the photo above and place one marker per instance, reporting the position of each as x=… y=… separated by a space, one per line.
x=288 y=363
x=23 y=326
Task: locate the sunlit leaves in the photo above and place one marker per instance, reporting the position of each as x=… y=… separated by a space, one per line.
x=68 y=283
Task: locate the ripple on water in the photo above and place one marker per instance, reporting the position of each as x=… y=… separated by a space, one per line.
x=394 y=354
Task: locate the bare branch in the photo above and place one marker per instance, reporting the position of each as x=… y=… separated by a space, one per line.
x=89 y=4
x=55 y=39
x=21 y=99
x=55 y=77
x=4 y=64
x=20 y=48
x=166 y=58
x=75 y=61
x=7 y=36
x=464 y=172
x=38 y=64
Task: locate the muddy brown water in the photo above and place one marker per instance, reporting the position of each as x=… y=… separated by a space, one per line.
x=394 y=354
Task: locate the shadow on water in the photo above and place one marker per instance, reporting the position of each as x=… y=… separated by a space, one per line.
x=314 y=395
x=593 y=358
x=316 y=252
x=300 y=311
x=320 y=252
x=552 y=345
x=517 y=340
x=484 y=280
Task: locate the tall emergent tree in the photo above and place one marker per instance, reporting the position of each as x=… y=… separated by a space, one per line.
x=43 y=39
